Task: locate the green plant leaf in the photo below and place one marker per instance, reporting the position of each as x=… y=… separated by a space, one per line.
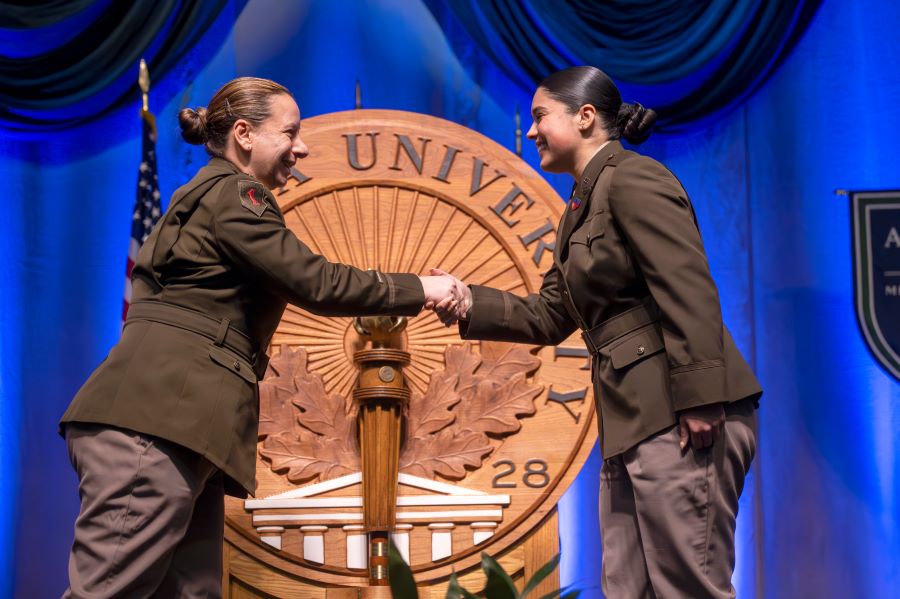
x=400 y=575
x=499 y=585
x=566 y=593
x=542 y=573
x=454 y=591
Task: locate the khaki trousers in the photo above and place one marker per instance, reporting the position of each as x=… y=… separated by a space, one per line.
x=667 y=516
x=151 y=520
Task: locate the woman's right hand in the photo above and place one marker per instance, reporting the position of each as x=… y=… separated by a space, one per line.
x=456 y=307
x=439 y=288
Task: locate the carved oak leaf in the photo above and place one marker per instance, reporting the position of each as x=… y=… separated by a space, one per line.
x=462 y=362
x=430 y=413
x=500 y=361
x=308 y=455
x=328 y=415
x=307 y=432
x=496 y=409
x=276 y=390
x=448 y=454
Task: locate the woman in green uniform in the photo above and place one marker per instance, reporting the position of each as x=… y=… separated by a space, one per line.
x=168 y=423
x=675 y=398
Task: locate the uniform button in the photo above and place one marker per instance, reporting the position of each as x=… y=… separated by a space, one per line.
x=640 y=350
x=565 y=292
x=600 y=211
x=237 y=365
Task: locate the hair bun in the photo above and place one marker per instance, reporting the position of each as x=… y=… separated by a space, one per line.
x=193 y=125
x=637 y=122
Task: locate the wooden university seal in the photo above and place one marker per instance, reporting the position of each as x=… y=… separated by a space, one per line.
x=492 y=433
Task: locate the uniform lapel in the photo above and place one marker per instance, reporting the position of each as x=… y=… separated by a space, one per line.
x=581 y=196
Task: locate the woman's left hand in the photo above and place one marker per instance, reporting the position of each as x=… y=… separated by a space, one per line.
x=701 y=426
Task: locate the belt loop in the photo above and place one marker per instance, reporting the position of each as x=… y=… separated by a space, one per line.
x=223 y=330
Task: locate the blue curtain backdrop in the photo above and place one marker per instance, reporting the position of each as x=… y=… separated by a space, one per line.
x=819 y=517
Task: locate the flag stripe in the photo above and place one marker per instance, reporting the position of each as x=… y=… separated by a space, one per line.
x=147 y=206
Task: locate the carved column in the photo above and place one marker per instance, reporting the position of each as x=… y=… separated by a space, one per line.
x=314 y=543
x=400 y=536
x=441 y=540
x=271 y=535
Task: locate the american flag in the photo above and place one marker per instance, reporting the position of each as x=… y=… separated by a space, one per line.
x=146 y=205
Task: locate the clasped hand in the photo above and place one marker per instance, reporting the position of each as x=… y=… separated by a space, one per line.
x=450 y=298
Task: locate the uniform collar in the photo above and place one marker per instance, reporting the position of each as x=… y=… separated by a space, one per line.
x=221 y=164
x=584 y=187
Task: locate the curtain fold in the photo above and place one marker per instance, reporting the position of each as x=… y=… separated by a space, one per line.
x=691 y=59
x=94 y=69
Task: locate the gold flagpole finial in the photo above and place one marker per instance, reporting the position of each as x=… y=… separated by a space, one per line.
x=358 y=95
x=518 y=133
x=144 y=83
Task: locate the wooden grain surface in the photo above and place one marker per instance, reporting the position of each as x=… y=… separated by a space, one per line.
x=399 y=192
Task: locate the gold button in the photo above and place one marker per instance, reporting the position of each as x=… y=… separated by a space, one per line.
x=640 y=350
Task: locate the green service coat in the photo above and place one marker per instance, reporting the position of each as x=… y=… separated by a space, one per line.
x=629 y=266
x=221 y=249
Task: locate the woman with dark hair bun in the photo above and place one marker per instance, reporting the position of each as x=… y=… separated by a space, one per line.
x=167 y=424
x=676 y=400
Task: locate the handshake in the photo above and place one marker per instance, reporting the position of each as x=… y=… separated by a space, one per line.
x=450 y=298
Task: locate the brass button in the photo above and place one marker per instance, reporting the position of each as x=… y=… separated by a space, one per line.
x=640 y=350
x=237 y=365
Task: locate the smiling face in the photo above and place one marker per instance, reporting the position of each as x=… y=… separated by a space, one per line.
x=275 y=143
x=556 y=132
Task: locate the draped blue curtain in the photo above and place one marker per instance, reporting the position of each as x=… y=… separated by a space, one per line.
x=64 y=63
x=822 y=511
x=686 y=60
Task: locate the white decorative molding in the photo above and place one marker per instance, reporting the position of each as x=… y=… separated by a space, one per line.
x=271 y=535
x=315 y=507
x=433 y=485
x=400 y=536
x=441 y=540
x=314 y=543
x=357 y=547
x=482 y=531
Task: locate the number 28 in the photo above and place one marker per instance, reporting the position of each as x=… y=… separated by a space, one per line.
x=535 y=475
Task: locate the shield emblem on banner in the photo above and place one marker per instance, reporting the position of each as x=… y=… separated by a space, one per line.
x=876 y=263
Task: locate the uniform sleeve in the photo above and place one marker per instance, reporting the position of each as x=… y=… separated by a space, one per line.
x=538 y=319
x=263 y=247
x=657 y=220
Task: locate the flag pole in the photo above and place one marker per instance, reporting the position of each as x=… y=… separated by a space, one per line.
x=147 y=207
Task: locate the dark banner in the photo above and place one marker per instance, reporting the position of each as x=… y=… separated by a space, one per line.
x=876 y=262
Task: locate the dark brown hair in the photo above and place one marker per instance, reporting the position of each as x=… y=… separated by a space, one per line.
x=577 y=86
x=245 y=98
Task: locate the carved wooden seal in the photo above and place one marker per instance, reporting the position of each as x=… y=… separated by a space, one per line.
x=493 y=433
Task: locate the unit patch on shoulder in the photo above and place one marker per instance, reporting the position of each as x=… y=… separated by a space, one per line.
x=253 y=196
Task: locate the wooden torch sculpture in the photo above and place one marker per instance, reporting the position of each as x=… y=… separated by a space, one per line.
x=381 y=395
